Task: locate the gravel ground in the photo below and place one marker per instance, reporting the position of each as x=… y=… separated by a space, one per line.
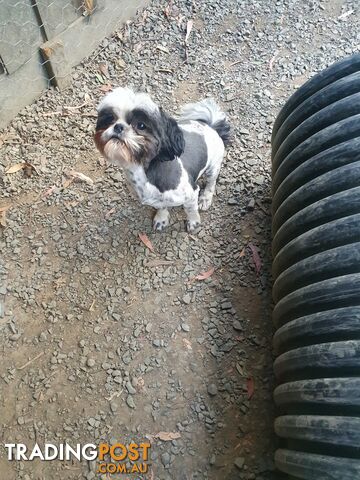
x=101 y=339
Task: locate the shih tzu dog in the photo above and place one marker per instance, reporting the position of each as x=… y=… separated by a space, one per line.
x=164 y=158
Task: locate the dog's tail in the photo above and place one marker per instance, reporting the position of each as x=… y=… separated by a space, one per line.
x=209 y=112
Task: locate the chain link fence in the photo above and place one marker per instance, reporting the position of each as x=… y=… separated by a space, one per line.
x=41 y=40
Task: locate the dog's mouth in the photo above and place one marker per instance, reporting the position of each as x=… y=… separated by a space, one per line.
x=117 y=138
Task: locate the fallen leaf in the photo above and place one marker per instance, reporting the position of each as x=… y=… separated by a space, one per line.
x=106 y=88
x=187 y=343
x=100 y=78
x=145 y=239
x=89 y=6
x=256 y=257
x=250 y=386
x=15 y=168
x=3 y=211
x=80 y=176
x=242 y=253
x=109 y=212
x=189 y=27
x=162 y=49
x=120 y=63
x=67 y=182
x=240 y=369
x=104 y=69
x=167 y=436
x=204 y=275
x=49 y=191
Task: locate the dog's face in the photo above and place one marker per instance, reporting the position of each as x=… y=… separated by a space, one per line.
x=132 y=129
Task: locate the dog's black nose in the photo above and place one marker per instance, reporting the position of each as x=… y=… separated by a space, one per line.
x=118 y=128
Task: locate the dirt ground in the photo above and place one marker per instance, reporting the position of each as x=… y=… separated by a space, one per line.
x=103 y=340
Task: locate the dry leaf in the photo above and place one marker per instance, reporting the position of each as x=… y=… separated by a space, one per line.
x=242 y=253
x=187 y=343
x=204 y=275
x=240 y=369
x=80 y=176
x=120 y=63
x=67 y=182
x=109 y=212
x=162 y=49
x=189 y=27
x=104 y=69
x=167 y=436
x=49 y=191
x=106 y=88
x=145 y=239
x=15 y=168
x=89 y=6
x=250 y=386
x=3 y=211
x=256 y=257
x=3 y=219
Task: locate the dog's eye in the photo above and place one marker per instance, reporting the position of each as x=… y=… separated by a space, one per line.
x=141 y=126
x=104 y=120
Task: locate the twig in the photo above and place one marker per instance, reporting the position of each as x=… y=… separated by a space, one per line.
x=90 y=309
x=31 y=361
x=68 y=114
x=165 y=70
x=235 y=63
x=76 y=106
x=189 y=27
x=272 y=60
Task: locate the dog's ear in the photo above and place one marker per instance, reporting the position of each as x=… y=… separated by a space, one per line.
x=172 y=138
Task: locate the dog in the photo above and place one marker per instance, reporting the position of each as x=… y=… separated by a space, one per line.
x=163 y=158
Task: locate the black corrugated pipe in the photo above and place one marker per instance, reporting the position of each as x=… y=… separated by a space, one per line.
x=316 y=271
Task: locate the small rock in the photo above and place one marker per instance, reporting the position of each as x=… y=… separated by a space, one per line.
x=212 y=389
x=130 y=402
x=90 y=362
x=92 y=422
x=237 y=325
x=21 y=420
x=226 y=306
x=239 y=462
x=130 y=388
x=165 y=459
x=185 y=327
x=186 y=298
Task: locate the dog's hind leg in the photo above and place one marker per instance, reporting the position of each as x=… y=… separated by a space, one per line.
x=206 y=196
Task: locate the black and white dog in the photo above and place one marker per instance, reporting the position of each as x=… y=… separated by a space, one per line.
x=163 y=158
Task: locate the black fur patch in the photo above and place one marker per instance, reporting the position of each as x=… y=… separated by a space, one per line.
x=195 y=155
x=165 y=175
x=105 y=118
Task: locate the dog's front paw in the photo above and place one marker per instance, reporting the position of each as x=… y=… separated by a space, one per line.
x=161 y=220
x=193 y=222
